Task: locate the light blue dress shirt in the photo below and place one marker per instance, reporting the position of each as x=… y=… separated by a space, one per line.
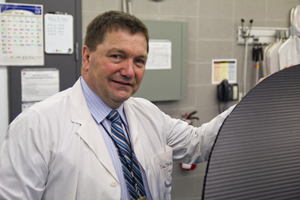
x=99 y=110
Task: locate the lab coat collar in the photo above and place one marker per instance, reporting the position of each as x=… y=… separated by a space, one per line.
x=89 y=131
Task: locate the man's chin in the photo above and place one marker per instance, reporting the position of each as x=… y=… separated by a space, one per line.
x=123 y=95
x=122 y=98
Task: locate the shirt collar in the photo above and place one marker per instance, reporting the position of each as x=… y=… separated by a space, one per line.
x=98 y=108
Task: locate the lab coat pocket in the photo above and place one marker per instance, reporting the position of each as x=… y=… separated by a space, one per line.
x=164 y=164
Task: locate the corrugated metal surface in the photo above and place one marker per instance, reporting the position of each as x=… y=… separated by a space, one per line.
x=257 y=151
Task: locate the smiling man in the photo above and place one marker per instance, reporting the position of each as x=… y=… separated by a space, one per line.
x=95 y=141
x=114 y=71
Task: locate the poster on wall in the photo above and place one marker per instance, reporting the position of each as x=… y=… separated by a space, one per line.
x=39 y=84
x=223 y=69
x=22 y=37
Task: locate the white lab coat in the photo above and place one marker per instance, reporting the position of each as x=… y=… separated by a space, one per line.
x=54 y=150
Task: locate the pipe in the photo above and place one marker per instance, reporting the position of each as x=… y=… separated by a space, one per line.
x=245 y=65
x=124 y=6
x=129 y=7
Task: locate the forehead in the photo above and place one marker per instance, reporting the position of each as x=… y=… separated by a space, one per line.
x=116 y=32
x=124 y=39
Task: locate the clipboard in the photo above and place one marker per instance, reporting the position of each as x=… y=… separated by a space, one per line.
x=59 y=33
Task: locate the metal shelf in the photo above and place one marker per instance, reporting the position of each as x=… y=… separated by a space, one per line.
x=265 y=35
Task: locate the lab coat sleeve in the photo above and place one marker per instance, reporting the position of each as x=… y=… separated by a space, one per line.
x=193 y=144
x=24 y=158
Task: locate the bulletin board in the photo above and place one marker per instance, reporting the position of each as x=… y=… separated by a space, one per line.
x=21 y=34
x=67 y=66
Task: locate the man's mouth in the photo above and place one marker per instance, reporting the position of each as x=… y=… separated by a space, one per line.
x=122 y=83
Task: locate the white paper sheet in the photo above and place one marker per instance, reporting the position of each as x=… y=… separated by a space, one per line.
x=160 y=55
x=223 y=69
x=39 y=84
x=26 y=105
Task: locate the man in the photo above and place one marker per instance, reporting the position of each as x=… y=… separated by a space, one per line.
x=69 y=147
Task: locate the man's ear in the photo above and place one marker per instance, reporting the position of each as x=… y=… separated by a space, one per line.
x=85 y=57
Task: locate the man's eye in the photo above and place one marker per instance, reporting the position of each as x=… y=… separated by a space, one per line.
x=140 y=61
x=116 y=56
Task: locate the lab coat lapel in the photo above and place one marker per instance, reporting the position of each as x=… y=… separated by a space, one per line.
x=89 y=131
x=137 y=134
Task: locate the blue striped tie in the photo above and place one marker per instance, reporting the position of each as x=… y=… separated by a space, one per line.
x=125 y=155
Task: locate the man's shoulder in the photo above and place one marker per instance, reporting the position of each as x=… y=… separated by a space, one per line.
x=58 y=100
x=50 y=108
x=138 y=104
x=138 y=101
x=53 y=101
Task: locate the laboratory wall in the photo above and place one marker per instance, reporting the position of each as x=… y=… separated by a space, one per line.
x=212 y=35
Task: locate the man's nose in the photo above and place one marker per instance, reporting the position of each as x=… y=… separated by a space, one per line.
x=127 y=69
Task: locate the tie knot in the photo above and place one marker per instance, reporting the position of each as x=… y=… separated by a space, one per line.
x=113 y=116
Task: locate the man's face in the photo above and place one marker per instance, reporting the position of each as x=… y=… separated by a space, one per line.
x=114 y=71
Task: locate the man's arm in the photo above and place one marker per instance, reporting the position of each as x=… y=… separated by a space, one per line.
x=24 y=157
x=193 y=144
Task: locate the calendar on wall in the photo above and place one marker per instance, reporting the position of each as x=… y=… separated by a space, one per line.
x=22 y=41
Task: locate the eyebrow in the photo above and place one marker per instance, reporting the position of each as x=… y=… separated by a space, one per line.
x=124 y=52
x=116 y=50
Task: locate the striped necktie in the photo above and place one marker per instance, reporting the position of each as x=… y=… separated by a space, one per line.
x=131 y=170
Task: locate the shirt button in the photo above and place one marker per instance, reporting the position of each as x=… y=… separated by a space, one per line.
x=113 y=184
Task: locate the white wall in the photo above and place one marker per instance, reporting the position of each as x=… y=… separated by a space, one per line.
x=3 y=100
